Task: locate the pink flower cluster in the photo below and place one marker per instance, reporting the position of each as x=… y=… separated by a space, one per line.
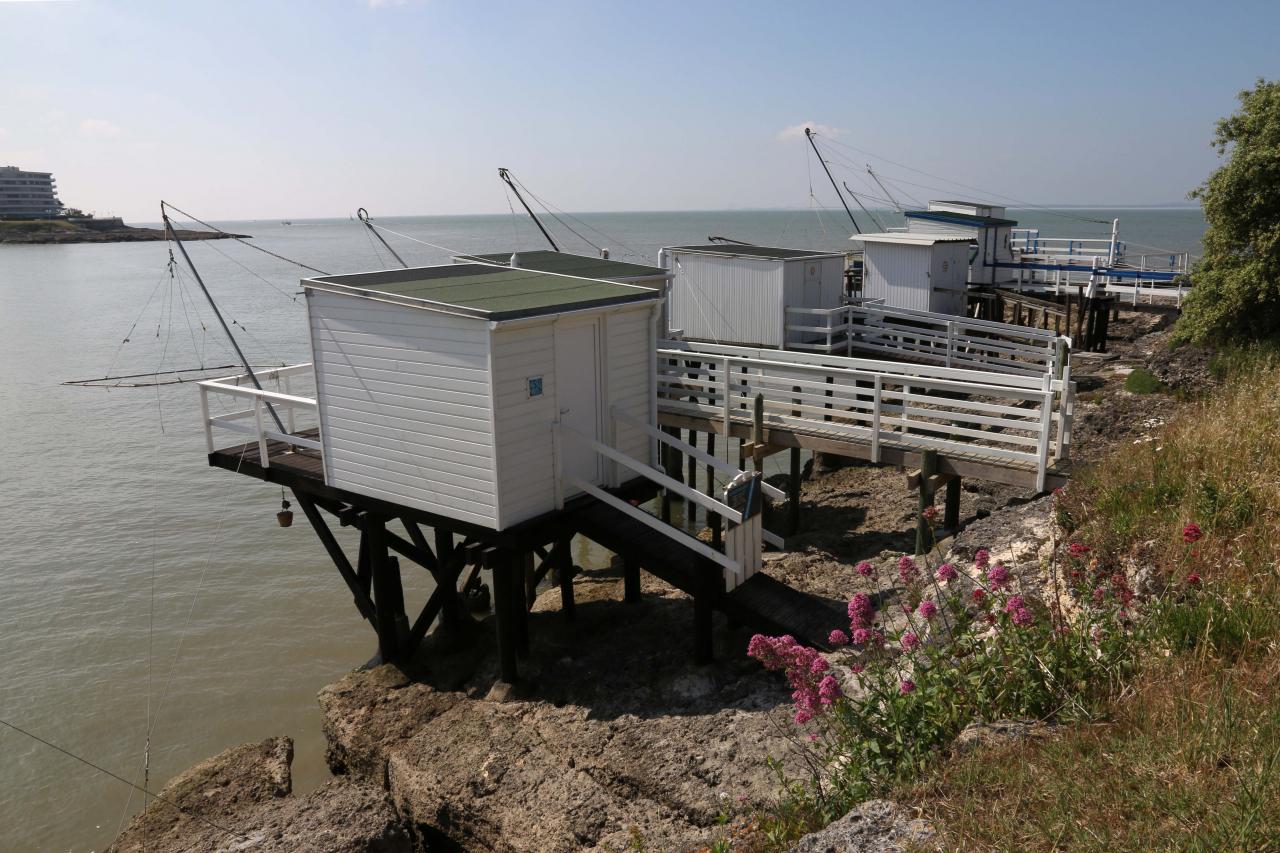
x=908 y=571
x=1078 y=549
x=865 y=569
x=813 y=688
x=947 y=572
x=997 y=576
x=1017 y=609
x=927 y=609
x=1192 y=533
x=981 y=559
x=861 y=611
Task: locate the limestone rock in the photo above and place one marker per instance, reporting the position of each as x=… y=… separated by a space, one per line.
x=876 y=826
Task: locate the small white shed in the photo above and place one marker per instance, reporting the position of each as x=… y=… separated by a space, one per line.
x=922 y=272
x=984 y=224
x=734 y=294
x=437 y=387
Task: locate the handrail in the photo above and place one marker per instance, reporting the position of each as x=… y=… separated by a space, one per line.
x=261 y=398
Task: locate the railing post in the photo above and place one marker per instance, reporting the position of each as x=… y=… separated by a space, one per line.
x=951 y=339
x=288 y=412
x=875 y=421
x=262 y=435
x=204 y=411
x=724 y=377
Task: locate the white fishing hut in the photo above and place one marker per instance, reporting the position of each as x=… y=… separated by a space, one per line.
x=922 y=272
x=984 y=224
x=734 y=294
x=437 y=387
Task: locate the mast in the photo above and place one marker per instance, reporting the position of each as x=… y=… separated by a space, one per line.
x=368 y=223
x=808 y=134
x=506 y=176
x=882 y=187
x=173 y=234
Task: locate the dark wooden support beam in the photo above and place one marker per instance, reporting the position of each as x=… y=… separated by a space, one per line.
x=402 y=546
x=715 y=522
x=951 y=515
x=630 y=581
x=564 y=568
x=358 y=592
x=530 y=577
x=524 y=566
x=363 y=570
x=501 y=564
x=928 y=468
x=433 y=608
x=387 y=592
x=420 y=542
x=793 y=493
x=449 y=560
x=703 y=641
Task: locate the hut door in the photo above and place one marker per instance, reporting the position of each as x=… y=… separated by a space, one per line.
x=578 y=394
x=813 y=285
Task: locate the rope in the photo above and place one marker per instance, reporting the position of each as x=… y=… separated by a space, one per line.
x=118 y=778
x=241 y=239
x=291 y=297
x=548 y=207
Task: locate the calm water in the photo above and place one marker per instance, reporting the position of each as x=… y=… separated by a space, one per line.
x=123 y=552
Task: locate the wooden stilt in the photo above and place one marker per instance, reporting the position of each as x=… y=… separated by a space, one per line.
x=793 y=493
x=928 y=467
x=951 y=515
x=505 y=591
x=331 y=546
x=702 y=626
x=387 y=591
x=520 y=601
x=714 y=521
x=447 y=580
x=630 y=581
x=564 y=567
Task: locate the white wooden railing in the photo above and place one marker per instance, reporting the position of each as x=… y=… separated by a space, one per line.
x=744 y=537
x=1006 y=419
x=261 y=426
x=944 y=339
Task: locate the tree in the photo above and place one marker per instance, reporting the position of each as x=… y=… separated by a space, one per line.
x=1237 y=281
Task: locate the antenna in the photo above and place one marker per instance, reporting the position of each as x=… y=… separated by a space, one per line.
x=808 y=134
x=505 y=174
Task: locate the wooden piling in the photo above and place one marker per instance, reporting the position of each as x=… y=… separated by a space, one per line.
x=563 y=556
x=630 y=581
x=793 y=493
x=505 y=592
x=928 y=467
x=713 y=518
x=951 y=515
x=388 y=594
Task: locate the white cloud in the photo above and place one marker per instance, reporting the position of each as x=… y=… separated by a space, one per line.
x=796 y=131
x=97 y=128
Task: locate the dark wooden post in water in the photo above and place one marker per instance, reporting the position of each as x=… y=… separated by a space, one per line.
x=928 y=468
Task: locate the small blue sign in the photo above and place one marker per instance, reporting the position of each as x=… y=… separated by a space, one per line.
x=535 y=386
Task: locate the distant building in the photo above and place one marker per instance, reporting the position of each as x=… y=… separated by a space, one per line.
x=28 y=195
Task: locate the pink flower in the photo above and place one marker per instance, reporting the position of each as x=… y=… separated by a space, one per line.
x=1192 y=533
x=829 y=690
x=908 y=570
x=818 y=666
x=978 y=594
x=858 y=668
x=837 y=638
x=1099 y=593
x=930 y=513
x=1014 y=604
x=803 y=717
x=947 y=572
x=1078 y=549
x=861 y=611
x=997 y=576
x=906 y=686
x=1193 y=579
x=1023 y=616
x=928 y=609
x=981 y=558
x=909 y=641
x=865 y=569
x=862 y=636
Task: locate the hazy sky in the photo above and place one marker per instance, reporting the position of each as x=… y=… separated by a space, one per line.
x=293 y=109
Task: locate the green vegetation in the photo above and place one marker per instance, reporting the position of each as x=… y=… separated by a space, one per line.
x=1142 y=381
x=1187 y=754
x=1237 y=281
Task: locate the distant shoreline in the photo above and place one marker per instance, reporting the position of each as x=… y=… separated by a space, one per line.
x=56 y=231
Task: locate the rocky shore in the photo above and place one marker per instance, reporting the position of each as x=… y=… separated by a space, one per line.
x=91 y=231
x=618 y=741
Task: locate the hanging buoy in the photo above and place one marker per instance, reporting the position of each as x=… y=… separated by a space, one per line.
x=285 y=515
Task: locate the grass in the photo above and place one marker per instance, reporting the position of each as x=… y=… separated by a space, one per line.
x=1188 y=757
x=1143 y=381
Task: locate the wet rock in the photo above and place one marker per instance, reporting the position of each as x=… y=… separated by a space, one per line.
x=876 y=826
x=240 y=800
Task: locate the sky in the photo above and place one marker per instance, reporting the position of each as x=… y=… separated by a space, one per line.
x=240 y=110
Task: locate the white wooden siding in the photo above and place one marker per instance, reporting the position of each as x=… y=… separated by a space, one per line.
x=727 y=300
x=898 y=274
x=629 y=347
x=405 y=405
x=948 y=269
x=525 y=458
x=828 y=294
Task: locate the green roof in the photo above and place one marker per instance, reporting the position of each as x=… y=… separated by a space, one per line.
x=545 y=260
x=484 y=291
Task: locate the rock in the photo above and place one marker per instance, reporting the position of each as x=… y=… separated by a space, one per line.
x=876 y=826
x=240 y=800
x=999 y=733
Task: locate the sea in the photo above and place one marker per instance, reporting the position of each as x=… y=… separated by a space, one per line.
x=152 y=611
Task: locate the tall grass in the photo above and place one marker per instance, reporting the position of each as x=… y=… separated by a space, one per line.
x=1189 y=757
